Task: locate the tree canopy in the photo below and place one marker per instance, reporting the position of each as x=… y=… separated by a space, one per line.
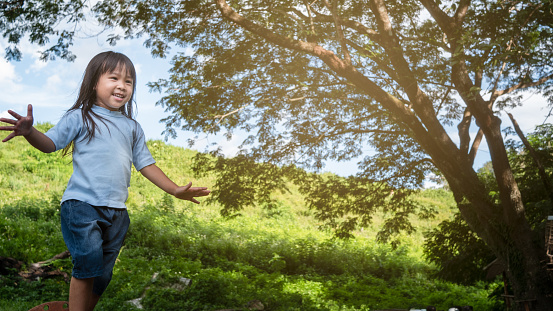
x=318 y=80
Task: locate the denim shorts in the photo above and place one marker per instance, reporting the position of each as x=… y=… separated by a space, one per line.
x=93 y=235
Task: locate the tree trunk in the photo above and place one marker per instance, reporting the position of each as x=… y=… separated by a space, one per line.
x=511 y=239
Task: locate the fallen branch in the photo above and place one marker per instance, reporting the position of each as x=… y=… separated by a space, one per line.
x=34 y=271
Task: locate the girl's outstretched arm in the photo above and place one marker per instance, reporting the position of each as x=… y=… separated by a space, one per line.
x=23 y=126
x=158 y=178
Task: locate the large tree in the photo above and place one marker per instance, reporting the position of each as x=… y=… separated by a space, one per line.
x=313 y=80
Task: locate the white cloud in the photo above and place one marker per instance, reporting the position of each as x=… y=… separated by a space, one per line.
x=9 y=81
x=7 y=72
x=5 y=114
x=53 y=82
x=38 y=65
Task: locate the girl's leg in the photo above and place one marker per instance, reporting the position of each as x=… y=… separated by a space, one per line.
x=80 y=294
x=82 y=232
x=113 y=237
x=93 y=301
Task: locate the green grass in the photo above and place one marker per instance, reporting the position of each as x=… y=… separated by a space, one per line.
x=278 y=257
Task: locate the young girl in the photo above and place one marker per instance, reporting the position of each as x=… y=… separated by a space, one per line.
x=105 y=141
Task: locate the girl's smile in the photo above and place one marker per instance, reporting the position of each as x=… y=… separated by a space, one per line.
x=114 y=89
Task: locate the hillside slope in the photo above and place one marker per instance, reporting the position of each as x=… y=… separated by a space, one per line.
x=181 y=256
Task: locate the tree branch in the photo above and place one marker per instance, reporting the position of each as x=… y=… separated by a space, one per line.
x=496 y=82
x=442 y=44
x=270 y=36
x=381 y=65
x=522 y=85
x=446 y=23
x=364 y=131
x=339 y=33
x=475 y=145
x=463 y=128
x=355 y=25
x=422 y=105
x=443 y=100
x=461 y=12
x=310 y=17
x=548 y=115
x=42 y=269
x=478 y=76
x=541 y=171
x=221 y=117
x=495 y=93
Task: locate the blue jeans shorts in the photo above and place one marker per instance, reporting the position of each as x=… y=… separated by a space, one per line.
x=93 y=235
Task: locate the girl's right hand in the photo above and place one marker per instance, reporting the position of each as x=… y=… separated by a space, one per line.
x=22 y=126
x=190 y=193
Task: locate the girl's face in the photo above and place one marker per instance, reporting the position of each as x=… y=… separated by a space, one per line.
x=114 y=89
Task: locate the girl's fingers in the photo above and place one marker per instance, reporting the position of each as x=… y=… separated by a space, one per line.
x=29 y=110
x=7 y=128
x=15 y=114
x=12 y=135
x=10 y=121
x=201 y=193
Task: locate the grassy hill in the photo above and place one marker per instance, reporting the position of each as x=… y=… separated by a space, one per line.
x=182 y=256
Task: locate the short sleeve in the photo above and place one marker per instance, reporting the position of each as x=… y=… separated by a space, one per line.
x=141 y=156
x=66 y=130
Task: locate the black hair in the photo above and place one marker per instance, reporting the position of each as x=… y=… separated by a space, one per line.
x=100 y=64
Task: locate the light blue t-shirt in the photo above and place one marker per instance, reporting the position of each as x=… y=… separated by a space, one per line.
x=101 y=166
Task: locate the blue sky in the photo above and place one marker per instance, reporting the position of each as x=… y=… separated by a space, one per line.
x=52 y=88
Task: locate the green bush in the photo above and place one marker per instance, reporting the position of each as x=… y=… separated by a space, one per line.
x=30 y=230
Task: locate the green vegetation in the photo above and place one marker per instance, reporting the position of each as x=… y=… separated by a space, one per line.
x=277 y=256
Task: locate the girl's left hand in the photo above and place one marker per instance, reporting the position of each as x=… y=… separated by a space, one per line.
x=189 y=193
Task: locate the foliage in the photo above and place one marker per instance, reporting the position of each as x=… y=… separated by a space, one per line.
x=342 y=204
x=40 y=20
x=277 y=257
x=27 y=230
x=459 y=253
